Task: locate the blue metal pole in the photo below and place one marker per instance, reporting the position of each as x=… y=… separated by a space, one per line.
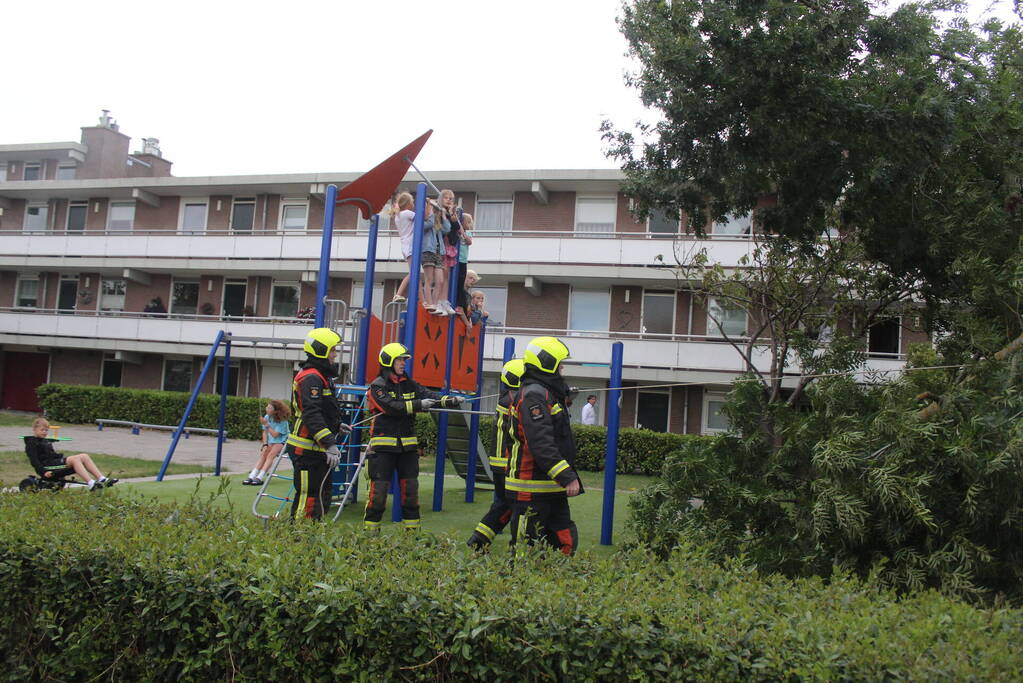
x=362 y=353
x=323 y=282
x=509 y=353
x=611 y=458
x=191 y=403
x=223 y=401
x=474 y=421
x=442 y=423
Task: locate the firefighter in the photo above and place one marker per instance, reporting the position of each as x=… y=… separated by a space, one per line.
x=504 y=444
x=541 y=477
x=312 y=443
x=393 y=398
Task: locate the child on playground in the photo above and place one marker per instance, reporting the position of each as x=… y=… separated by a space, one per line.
x=404 y=220
x=477 y=312
x=435 y=227
x=275 y=433
x=49 y=464
x=462 y=265
x=452 y=245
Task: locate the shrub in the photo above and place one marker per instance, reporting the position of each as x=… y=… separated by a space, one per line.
x=188 y=593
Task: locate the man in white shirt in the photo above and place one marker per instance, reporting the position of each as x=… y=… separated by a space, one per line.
x=589 y=412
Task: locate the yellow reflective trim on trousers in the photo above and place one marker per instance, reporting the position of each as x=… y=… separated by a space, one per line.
x=410 y=523
x=558 y=468
x=322 y=433
x=408 y=407
x=533 y=485
x=485 y=530
x=301 y=493
x=499 y=462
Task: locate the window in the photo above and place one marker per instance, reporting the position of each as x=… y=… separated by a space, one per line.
x=589 y=310
x=293 y=216
x=112 y=295
x=122 y=216
x=177 y=374
x=112 y=371
x=734 y=225
x=33 y=171
x=725 y=320
x=76 y=213
x=496 y=305
x=661 y=222
x=652 y=407
x=243 y=213
x=595 y=215
x=658 y=312
x=28 y=292
x=493 y=215
x=36 y=216
x=284 y=300
x=193 y=215
x=713 y=419
x=65 y=173
x=184 y=297
x=378 y=297
x=232 y=379
x=384 y=224
x=883 y=338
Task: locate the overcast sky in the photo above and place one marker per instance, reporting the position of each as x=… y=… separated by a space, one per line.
x=303 y=86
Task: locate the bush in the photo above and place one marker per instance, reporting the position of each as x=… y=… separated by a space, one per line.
x=84 y=403
x=188 y=593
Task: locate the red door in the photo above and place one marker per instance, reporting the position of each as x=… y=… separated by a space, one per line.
x=23 y=372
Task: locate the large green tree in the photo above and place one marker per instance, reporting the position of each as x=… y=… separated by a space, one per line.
x=903 y=127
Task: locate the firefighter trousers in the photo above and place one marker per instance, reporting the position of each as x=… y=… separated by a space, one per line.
x=312 y=486
x=500 y=511
x=548 y=520
x=382 y=466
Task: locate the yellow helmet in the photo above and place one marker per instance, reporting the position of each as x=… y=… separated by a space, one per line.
x=511 y=374
x=545 y=354
x=320 y=341
x=392 y=351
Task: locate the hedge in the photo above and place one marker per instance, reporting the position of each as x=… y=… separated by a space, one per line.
x=640 y=451
x=165 y=593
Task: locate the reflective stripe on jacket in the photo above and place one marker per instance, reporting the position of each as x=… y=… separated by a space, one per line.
x=317 y=414
x=541 y=466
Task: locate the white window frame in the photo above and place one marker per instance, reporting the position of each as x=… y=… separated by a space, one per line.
x=177 y=359
x=708 y=397
x=378 y=296
x=362 y=224
x=235 y=201
x=46 y=219
x=185 y=201
x=235 y=281
x=292 y=202
x=102 y=366
x=664 y=235
x=110 y=216
x=32 y=164
x=609 y=199
x=589 y=333
x=28 y=277
x=658 y=293
x=713 y=329
x=510 y=201
x=123 y=296
x=898 y=340
x=733 y=219
x=298 y=296
x=503 y=318
x=64 y=167
x=83 y=203
x=661 y=391
x=185 y=281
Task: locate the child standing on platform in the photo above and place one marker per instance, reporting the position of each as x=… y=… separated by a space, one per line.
x=404 y=221
x=275 y=433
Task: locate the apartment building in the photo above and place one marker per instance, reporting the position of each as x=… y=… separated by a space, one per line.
x=92 y=233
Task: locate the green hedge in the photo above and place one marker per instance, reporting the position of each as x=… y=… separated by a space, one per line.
x=187 y=593
x=78 y=404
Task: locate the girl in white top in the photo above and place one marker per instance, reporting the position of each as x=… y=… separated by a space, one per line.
x=404 y=220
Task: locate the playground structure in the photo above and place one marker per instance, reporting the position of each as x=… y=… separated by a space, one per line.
x=437 y=360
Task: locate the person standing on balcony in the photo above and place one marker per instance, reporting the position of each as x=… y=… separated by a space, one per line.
x=541 y=477
x=312 y=443
x=393 y=400
x=590 y=410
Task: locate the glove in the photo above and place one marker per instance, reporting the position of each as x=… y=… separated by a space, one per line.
x=452 y=400
x=428 y=403
x=333 y=457
x=345 y=429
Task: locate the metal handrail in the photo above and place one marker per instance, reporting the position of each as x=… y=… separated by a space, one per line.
x=164 y=316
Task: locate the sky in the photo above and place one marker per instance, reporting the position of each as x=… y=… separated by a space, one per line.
x=311 y=86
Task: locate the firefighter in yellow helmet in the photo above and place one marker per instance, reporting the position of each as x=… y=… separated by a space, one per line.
x=541 y=477
x=504 y=445
x=312 y=443
x=393 y=398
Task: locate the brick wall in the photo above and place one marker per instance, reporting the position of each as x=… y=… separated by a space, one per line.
x=146 y=375
x=695 y=418
x=213 y=296
x=8 y=285
x=218 y=213
x=137 y=295
x=557 y=215
x=677 y=413
x=96 y=214
x=50 y=283
x=625 y=221
x=163 y=218
x=88 y=294
x=107 y=156
x=912 y=332
x=548 y=311
x=273 y=210
x=683 y=300
x=625 y=317
x=699 y=318
x=75 y=366
x=627 y=416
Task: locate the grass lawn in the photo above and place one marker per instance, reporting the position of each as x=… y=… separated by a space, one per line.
x=456 y=519
x=14 y=467
x=9 y=419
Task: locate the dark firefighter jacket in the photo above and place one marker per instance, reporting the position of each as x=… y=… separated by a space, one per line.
x=505 y=441
x=392 y=400
x=314 y=405
x=541 y=466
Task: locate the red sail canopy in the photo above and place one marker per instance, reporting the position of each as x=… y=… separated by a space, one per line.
x=372 y=189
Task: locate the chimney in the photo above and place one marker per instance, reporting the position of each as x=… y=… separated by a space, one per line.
x=151 y=146
x=106 y=121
